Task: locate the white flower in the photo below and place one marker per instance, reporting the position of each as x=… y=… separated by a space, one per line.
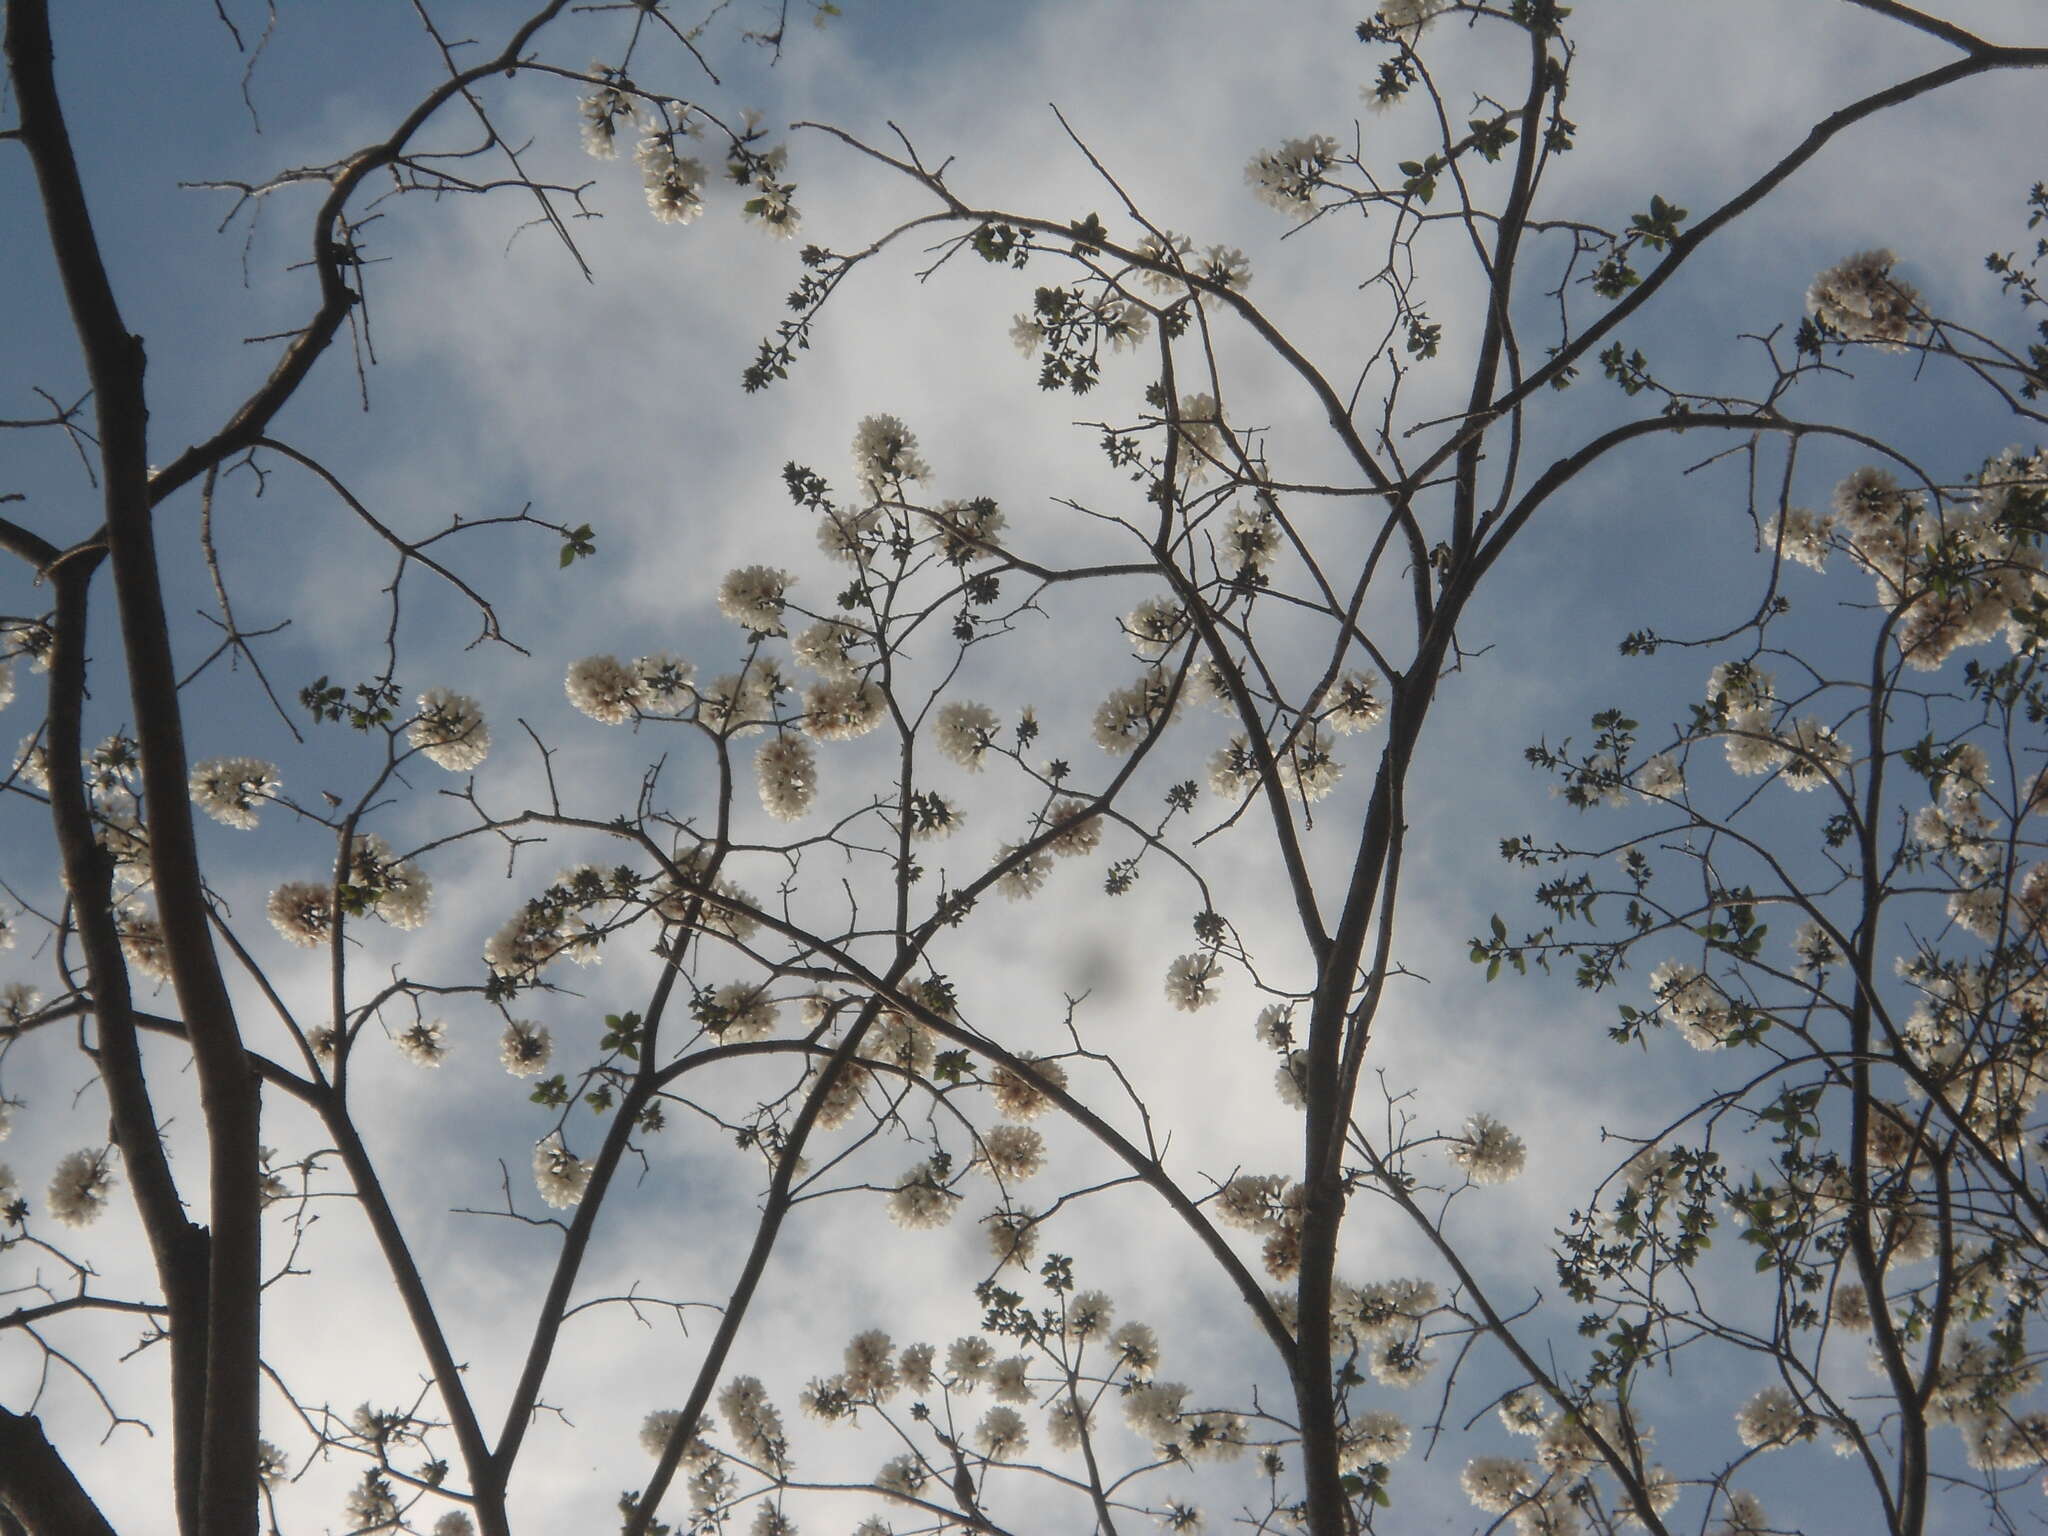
x=968 y=1359
x=826 y=648
x=1153 y=1409
x=603 y=110
x=1011 y=1379
x=604 y=688
x=1489 y=1152
x=869 y=1370
x=525 y=1047
x=915 y=1364
x=1859 y=300
x=1066 y=1421
x=675 y=183
x=232 y=789
x=1411 y=16
x=1752 y=746
x=1019 y=1099
x=920 y=1201
x=787 y=775
x=1080 y=829
x=303 y=912
x=1800 y=535
x=1024 y=878
x=454 y=1523
x=902 y=1477
x=1234 y=769
x=425 y=1043
x=1400 y=1363
x=560 y=1178
x=842 y=708
x=398 y=889
x=371 y=1507
x=1353 y=705
x=1742 y=685
x=964 y=732
x=1132 y=713
x=1661 y=777
x=1191 y=981
x=1250 y=541
x=1816 y=755
x=1137 y=1349
x=1772 y=1419
x=1001 y=1434
x=1522 y=1413
x=450 y=730
x=6 y=683
x=32 y=763
x=1026 y=335
x=1089 y=1313
x=1201 y=441
x=1308 y=769
x=753 y=598
x=1496 y=1483
x=884 y=453
x=79 y=1191
x=1693 y=1003
x=1814 y=949
x=1227 y=267
x=1154 y=626
x=1285 y=178
x=271 y=1464
x=740 y=703
x=1291 y=1080
x=1011 y=1152
x=1171 y=250
x=143 y=942
x=664 y=683
x=966 y=530
x=1376 y=1436
x=754 y=1422
x=1745 y=1516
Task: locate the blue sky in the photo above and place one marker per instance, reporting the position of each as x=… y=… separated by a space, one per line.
x=504 y=378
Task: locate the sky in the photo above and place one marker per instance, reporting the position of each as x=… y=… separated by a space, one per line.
x=498 y=376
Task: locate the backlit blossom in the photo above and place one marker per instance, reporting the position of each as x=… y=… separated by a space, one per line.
x=920 y=1200
x=525 y=1047
x=1801 y=535
x=425 y=1043
x=1011 y=1152
x=560 y=1177
x=450 y=730
x=232 y=789
x=303 y=912
x=885 y=452
x=1285 y=179
x=1019 y=1099
x=79 y=1191
x=1661 y=776
x=604 y=688
x=964 y=732
x=1496 y=1483
x=1132 y=713
x=1859 y=300
x=842 y=708
x=1191 y=981
x=753 y=598
x=1026 y=874
x=1488 y=1152
x=827 y=648
x=786 y=773
x=1001 y=1434
x=1371 y=1437
x=1815 y=755
x=1773 y=1419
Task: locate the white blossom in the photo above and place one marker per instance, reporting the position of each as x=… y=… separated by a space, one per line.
x=1488 y=1152
x=450 y=730
x=1191 y=981
x=232 y=789
x=78 y=1192
x=1859 y=300
x=604 y=688
x=560 y=1178
x=753 y=597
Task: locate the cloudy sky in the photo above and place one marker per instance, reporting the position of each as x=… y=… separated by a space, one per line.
x=498 y=376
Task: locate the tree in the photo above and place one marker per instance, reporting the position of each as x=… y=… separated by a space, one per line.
x=809 y=871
